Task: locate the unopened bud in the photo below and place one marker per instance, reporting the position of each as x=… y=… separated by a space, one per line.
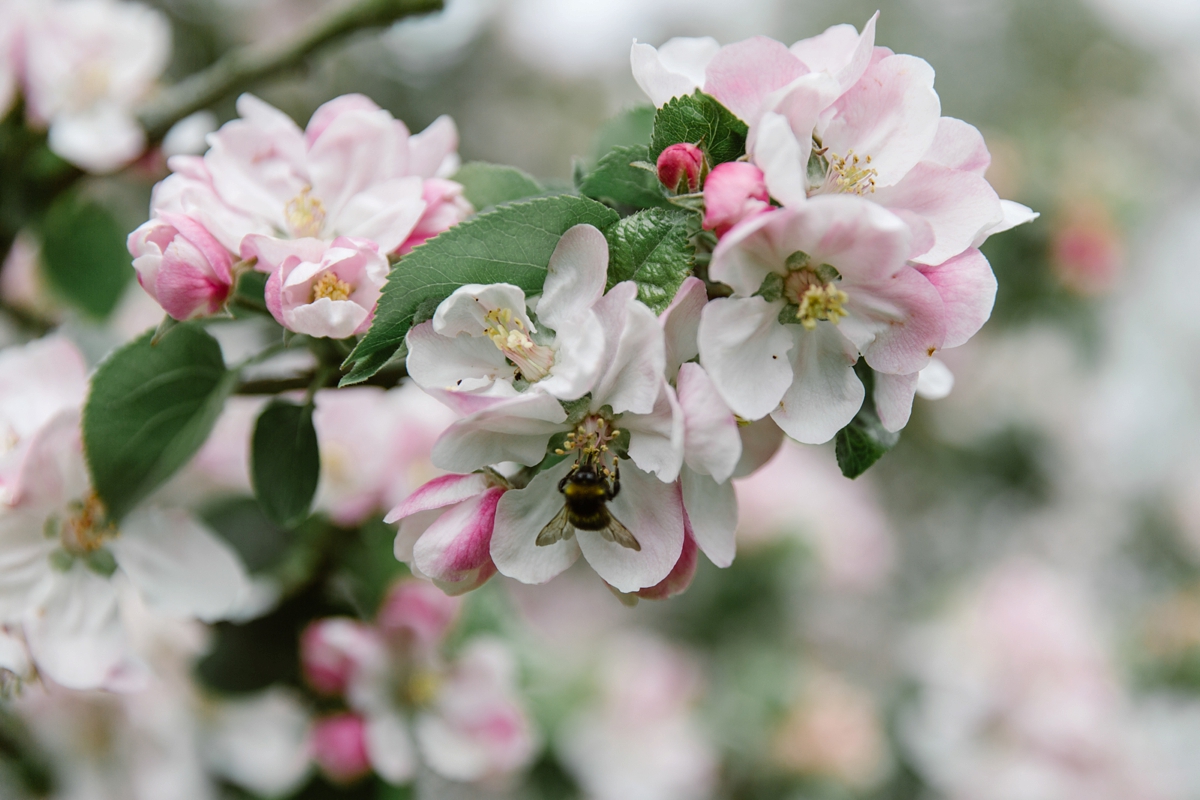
x=334 y=650
x=419 y=609
x=734 y=191
x=681 y=167
x=339 y=746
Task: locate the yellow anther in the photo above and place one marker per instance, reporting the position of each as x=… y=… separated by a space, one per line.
x=331 y=287
x=821 y=303
x=86 y=528
x=849 y=175
x=507 y=331
x=305 y=214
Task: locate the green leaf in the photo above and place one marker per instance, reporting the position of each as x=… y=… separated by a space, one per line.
x=285 y=461
x=864 y=441
x=83 y=250
x=653 y=249
x=631 y=127
x=512 y=244
x=149 y=410
x=486 y=185
x=616 y=180
x=700 y=120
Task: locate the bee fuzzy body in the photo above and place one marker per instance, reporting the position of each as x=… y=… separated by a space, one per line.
x=586 y=491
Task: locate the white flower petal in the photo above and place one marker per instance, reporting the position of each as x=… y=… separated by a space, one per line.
x=466 y=309
x=894 y=398
x=782 y=158
x=578 y=358
x=826 y=393
x=520 y=517
x=656 y=440
x=455 y=363
x=744 y=349
x=575 y=277
x=390 y=748
x=635 y=353
x=712 y=445
x=712 y=511
x=513 y=429
x=180 y=567
x=680 y=322
x=653 y=513
x=75 y=633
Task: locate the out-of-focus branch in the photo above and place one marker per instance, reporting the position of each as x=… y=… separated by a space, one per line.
x=242 y=67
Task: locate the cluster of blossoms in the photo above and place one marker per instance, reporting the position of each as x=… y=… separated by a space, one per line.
x=847 y=236
x=319 y=210
x=462 y=717
x=82 y=67
x=851 y=230
x=69 y=575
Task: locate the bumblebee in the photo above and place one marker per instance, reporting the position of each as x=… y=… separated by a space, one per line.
x=586 y=490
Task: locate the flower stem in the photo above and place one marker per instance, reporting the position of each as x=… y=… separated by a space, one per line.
x=241 y=67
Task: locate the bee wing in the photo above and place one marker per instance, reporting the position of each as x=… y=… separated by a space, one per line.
x=614 y=531
x=556 y=529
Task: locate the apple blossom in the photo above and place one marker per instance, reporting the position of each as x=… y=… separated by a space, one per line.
x=87 y=63
x=181 y=265
x=323 y=290
x=9 y=70
x=355 y=172
x=462 y=719
x=482 y=340
x=66 y=564
x=839 y=285
x=630 y=395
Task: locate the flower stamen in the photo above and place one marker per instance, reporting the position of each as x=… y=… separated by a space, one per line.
x=849 y=175
x=305 y=214
x=507 y=332
x=87 y=527
x=330 y=286
x=816 y=298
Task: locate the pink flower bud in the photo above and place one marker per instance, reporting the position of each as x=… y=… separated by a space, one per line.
x=681 y=167
x=181 y=265
x=334 y=650
x=733 y=192
x=418 y=609
x=339 y=746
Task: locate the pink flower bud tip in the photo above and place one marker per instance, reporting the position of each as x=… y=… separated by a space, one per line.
x=733 y=192
x=339 y=746
x=333 y=650
x=419 y=609
x=681 y=167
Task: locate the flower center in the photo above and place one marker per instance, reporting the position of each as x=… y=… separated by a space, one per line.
x=422 y=687
x=591 y=439
x=815 y=297
x=849 y=175
x=87 y=527
x=305 y=214
x=507 y=332
x=331 y=287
